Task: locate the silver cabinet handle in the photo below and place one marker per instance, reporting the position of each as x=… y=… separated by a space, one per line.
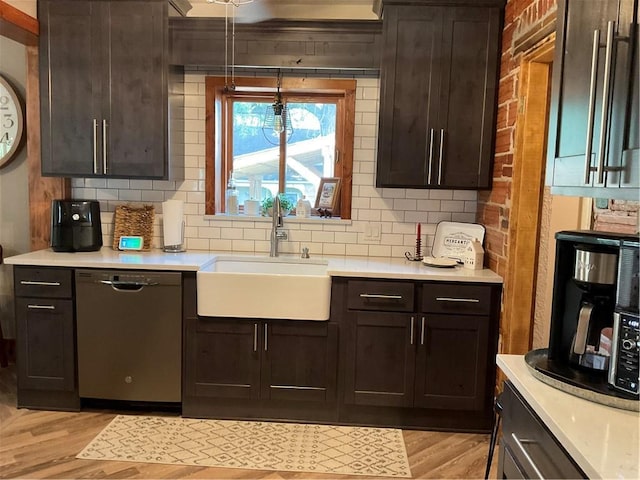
x=606 y=87
x=422 y=333
x=592 y=105
x=41 y=307
x=104 y=146
x=43 y=284
x=95 y=146
x=441 y=155
x=520 y=445
x=255 y=337
x=377 y=295
x=430 y=155
x=453 y=299
x=412 y=325
x=266 y=347
x=117 y=284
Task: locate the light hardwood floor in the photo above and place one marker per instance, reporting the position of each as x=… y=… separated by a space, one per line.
x=43 y=444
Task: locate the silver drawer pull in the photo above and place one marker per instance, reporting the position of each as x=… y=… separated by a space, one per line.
x=41 y=307
x=451 y=299
x=377 y=295
x=520 y=445
x=43 y=284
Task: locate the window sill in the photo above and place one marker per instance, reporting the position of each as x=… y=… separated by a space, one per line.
x=288 y=219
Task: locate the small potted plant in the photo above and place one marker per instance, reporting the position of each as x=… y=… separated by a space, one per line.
x=286 y=205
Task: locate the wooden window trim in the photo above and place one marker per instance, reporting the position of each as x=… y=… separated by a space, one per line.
x=216 y=144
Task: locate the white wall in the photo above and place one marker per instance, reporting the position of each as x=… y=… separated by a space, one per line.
x=396 y=211
x=14 y=191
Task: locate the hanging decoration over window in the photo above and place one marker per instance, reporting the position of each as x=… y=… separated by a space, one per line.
x=276 y=119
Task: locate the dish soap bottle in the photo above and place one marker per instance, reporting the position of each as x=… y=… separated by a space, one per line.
x=303 y=208
x=231 y=197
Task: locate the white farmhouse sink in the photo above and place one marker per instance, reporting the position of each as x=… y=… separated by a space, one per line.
x=264 y=287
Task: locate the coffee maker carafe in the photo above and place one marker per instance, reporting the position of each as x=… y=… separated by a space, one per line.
x=594 y=282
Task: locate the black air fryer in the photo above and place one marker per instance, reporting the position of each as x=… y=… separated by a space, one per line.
x=75 y=226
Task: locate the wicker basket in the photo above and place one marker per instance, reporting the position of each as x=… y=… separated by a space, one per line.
x=136 y=221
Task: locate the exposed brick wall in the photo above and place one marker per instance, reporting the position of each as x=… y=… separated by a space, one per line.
x=522 y=19
x=620 y=216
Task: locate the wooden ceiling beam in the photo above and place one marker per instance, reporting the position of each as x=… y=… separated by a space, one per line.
x=17 y=25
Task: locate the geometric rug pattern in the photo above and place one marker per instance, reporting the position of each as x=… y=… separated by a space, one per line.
x=252 y=445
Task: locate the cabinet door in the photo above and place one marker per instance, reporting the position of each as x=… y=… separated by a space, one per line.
x=630 y=176
x=135 y=104
x=299 y=360
x=70 y=86
x=451 y=364
x=467 y=99
x=380 y=359
x=409 y=87
x=577 y=91
x=222 y=358
x=45 y=344
x=528 y=445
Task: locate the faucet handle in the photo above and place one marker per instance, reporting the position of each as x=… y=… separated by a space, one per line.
x=305 y=252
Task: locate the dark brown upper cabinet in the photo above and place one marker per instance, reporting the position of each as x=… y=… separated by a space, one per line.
x=594 y=141
x=439 y=76
x=104 y=88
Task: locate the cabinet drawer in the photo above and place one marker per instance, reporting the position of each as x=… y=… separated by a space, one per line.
x=43 y=282
x=533 y=448
x=456 y=298
x=380 y=296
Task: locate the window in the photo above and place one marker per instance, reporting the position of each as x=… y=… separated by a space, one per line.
x=317 y=143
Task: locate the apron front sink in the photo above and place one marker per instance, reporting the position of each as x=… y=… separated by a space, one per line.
x=265 y=287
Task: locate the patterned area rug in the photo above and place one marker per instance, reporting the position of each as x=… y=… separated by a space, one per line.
x=252 y=445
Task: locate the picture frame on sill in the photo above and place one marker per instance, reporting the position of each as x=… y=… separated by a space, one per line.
x=328 y=197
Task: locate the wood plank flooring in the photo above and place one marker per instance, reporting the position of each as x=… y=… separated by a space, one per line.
x=43 y=444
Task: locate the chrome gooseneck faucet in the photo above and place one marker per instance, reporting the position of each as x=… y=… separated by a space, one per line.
x=276 y=224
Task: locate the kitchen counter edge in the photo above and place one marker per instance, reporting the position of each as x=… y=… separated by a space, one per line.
x=362 y=267
x=602 y=440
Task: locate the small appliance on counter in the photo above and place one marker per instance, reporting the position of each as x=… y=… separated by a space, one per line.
x=594 y=337
x=75 y=226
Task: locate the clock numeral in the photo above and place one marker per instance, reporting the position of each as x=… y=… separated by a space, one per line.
x=8 y=122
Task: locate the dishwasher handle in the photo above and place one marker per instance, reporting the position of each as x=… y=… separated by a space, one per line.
x=129 y=286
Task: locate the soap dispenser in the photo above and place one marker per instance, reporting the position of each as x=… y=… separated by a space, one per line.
x=231 y=197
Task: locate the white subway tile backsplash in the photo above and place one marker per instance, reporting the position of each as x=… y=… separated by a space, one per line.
x=441 y=194
x=93 y=182
x=118 y=183
x=452 y=205
x=404 y=204
x=130 y=195
x=334 y=249
x=465 y=195
x=396 y=210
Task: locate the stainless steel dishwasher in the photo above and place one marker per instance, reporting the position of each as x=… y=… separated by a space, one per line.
x=129 y=335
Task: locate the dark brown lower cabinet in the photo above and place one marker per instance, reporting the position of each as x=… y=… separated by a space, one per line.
x=451 y=364
x=527 y=448
x=45 y=340
x=417 y=354
x=259 y=368
x=380 y=360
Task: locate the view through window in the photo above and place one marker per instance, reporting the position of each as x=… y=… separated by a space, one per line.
x=316 y=143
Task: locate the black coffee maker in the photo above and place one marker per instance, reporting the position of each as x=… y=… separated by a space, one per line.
x=591 y=281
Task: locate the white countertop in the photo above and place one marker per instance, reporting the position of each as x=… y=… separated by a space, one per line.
x=368 y=267
x=602 y=440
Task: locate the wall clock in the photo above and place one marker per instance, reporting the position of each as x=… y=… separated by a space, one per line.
x=11 y=122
